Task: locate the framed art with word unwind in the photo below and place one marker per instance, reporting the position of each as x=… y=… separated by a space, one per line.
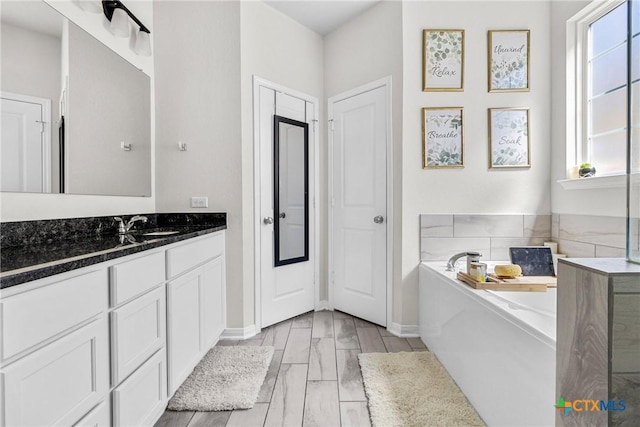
x=508 y=61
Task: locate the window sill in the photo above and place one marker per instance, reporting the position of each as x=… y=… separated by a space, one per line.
x=610 y=181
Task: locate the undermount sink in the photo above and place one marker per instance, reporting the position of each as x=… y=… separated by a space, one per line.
x=160 y=233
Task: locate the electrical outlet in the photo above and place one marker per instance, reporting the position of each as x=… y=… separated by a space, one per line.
x=200 y=202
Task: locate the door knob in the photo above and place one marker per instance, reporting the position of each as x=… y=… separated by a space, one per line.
x=378 y=219
x=267 y=220
x=283 y=215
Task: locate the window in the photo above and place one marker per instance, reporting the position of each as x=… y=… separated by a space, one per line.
x=598 y=36
x=605 y=144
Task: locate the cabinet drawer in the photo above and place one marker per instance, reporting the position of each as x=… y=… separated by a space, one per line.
x=100 y=416
x=189 y=255
x=32 y=317
x=141 y=399
x=135 y=277
x=137 y=331
x=61 y=382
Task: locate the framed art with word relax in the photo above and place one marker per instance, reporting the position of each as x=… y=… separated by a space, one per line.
x=442 y=138
x=508 y=60
x=509 y=139
x=443 y=60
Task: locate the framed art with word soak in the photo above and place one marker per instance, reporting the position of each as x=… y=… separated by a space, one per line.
x=442 y=138
x=509 y=138
x=443 y=60
x=508 y=60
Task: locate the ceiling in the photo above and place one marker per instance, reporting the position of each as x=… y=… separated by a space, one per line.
x=322 y=16
x=35 y=16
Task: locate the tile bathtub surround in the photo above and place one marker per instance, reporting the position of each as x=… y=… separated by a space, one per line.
x=590 y=236
x=444 y=235
x=35 y=249
x=598 y=351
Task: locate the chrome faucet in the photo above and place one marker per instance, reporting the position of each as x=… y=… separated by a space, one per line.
x=451 y=264
x=124 y=229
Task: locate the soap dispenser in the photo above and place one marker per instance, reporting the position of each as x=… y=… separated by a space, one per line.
x=472 y=257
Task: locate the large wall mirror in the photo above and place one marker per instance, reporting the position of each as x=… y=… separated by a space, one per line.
x=291 y=191
x=76 y=116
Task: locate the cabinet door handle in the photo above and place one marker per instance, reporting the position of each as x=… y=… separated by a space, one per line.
x=267 y=220
x=378 y=219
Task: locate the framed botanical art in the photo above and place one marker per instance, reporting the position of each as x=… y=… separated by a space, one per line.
x=509 y=138
x=442 y=138
x=443 y=60
x=508 y=61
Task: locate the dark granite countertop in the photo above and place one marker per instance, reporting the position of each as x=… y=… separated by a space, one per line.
x=36 y=249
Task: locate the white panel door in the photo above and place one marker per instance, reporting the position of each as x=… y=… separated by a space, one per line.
x=286 y=290
x=359 y=236
x=23 y=151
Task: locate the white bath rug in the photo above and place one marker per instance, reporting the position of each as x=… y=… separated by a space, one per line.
x=413 y=389
x=228 y=377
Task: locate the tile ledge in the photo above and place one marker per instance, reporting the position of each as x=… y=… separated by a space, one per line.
x=609 y=181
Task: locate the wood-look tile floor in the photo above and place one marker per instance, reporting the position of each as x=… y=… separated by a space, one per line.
x=314 y=378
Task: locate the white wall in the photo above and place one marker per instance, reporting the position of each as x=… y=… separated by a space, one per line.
x=205 y=99
x=198 y=103
x=364 y=50
x=474 y=189
x=279 y=49
x=610 y=201
x=22 y=206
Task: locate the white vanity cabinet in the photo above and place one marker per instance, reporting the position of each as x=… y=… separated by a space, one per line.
x=98 y=346
x=55 y=341
x=196 y=304
x=138 y=337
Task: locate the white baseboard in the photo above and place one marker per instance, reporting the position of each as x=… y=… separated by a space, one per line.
x=323 y=305
x=238 y=333
x=404 y=331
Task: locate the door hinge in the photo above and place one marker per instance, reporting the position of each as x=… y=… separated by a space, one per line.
x=331 y=128
x=333 y=277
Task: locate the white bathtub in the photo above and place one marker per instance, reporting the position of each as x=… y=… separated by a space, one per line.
x=499 y=347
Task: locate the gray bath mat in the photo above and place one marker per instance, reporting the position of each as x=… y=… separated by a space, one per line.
x=413 y=389
x=228 y=377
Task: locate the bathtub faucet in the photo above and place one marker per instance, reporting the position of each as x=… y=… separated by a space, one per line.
x=451 y=264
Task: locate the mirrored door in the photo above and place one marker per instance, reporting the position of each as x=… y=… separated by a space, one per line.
x=291 y=191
